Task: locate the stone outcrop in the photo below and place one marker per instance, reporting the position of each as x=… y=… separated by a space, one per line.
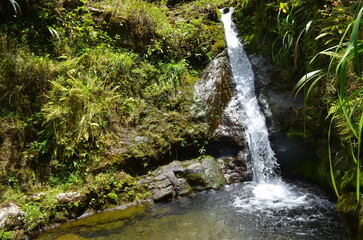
x=182 y=178
x=214 y=93
x=215 y=89
x=11 y=217
x=68 y=197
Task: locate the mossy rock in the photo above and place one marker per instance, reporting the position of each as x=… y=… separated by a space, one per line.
x=212 y=172
x=350 y=209
x=195 y=179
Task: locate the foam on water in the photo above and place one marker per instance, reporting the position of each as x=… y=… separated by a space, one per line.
x=270 y=196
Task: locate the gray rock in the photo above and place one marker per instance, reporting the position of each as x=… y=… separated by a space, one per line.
x=182 y=187
x=11 y=217
x=194 y=167
x=68 y=197
x=204 y=173
x=162 y=193
x=212 y=173
x=160 y=185
x=236 y=168
x=139 y=139
x=214 y=89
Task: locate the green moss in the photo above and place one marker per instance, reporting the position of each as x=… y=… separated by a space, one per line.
x=212 y=172
x=195 y=180
x=75 y=96
x=6 y=235
x=349 y=208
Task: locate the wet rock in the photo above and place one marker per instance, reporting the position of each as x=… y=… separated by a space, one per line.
x=212 y=173
x=215 y=94
x=11 y=217
x=214 y=89
x=68 y=197
x=285 y=119
x=181 y=178
x=236 y=168
x=230 y=128
x=182 y=187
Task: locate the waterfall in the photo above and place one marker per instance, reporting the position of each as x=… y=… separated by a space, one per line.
x=262 y=157
x=267 y=190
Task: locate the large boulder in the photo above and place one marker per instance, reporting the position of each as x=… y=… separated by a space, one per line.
x=182 y=178
x=214 y=89
x=68 y=197
x=215 y=95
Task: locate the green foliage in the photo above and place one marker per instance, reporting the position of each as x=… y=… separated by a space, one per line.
x=82 y=81
x=34 y=217
x=243 y=4
x=23 y=80
x=6 y=235
x=77 y=113
x=173 y=73
x=15 y=6
x=346 y=111
x=289 y=34
x=77 y=33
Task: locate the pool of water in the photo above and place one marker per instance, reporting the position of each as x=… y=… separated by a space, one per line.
x=240 y=211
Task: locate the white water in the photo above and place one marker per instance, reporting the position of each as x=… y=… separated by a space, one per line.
x=267 y=190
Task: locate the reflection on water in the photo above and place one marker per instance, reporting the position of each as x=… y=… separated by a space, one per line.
x=212 y=215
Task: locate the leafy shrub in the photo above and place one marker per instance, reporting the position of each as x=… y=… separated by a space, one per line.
x=34 y=216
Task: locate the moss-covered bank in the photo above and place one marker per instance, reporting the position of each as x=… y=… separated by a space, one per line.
x=94 y=94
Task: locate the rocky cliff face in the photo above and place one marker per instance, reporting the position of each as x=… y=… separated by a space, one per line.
x=283 y=110
x=285 y=117
x=213 y=93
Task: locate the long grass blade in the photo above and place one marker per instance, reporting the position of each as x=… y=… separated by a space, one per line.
x=354 y=40
x=330 y=159
x=317 y=75
x=347 y=116
x=358 y=157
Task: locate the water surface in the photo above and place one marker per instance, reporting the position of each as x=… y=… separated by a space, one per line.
x=216 y=215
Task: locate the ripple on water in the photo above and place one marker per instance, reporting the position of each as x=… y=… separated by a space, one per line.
x=216 y=215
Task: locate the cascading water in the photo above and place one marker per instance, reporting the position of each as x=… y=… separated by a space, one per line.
x=263 y=158
x=267 y=190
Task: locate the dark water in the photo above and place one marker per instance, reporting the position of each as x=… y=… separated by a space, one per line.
x=212 y=215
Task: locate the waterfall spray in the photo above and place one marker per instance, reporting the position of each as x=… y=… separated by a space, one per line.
x=262 y=157
x=267 y=190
